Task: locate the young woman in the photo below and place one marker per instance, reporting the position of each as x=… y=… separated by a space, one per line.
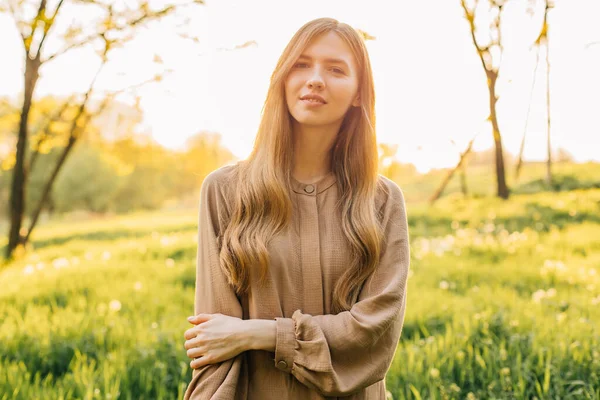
x=303 y=249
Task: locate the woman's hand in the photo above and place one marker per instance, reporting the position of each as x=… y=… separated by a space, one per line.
x=215 y=338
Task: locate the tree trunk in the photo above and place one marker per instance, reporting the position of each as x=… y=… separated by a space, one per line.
x=463 y=180
x=440 y=190
x=49 y=184
x=549 y=147
x=522 y=148
x=500 y=174
x=17 y=194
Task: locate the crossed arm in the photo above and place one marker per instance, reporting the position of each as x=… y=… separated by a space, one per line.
x=333 y=354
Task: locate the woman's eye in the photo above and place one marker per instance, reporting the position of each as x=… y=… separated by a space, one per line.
x=300 y=65
x=337 y=70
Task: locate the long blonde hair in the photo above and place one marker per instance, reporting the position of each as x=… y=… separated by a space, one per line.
x=262 y=206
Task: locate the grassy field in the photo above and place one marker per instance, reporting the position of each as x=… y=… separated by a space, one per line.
x=503 y=302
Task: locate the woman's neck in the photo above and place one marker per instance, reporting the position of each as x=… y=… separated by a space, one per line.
x=312 y=151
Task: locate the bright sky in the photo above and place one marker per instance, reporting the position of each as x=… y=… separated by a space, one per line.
x=430 y=85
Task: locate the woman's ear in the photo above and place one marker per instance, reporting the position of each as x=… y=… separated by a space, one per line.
x=356 y=102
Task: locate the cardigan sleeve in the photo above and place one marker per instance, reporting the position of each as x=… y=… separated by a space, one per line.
x=341 y=354
x=213 y=294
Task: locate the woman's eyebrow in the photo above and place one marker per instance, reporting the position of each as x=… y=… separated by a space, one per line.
x=327 y=60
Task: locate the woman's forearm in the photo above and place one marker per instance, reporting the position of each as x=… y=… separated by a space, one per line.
x=261 y=334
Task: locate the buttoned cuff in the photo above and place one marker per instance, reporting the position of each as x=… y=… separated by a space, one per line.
x=285 y=344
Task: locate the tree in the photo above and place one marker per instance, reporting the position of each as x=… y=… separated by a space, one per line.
x=460 y=165
x=490 y=54
x=118 y=24
x=543 y=38
x=522 y=146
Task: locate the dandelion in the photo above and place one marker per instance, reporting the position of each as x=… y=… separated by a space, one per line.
x=137 y=286
x=434 y=373
x=154 y=325
x=460 y=355
x=88 y=256
x=115 y=305
x=514 y=323
x=596 y=300
x=538 y=295
x=560 y=317
x=489 y=228
x=551 y=292
x=59 y=263
x=505 y=371
x=170 y=263
x=28 y=270
x=475 y=288
x=444 y=285
x=503 y=354
x=455 y=388
x=106 y=255
x=471 y=396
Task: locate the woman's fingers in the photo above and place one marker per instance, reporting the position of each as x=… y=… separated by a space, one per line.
x=192 y=333
x=195 y=352
x=191 y=343
x=197 y=319
x=200 y=362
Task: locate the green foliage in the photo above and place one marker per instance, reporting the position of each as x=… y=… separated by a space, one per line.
x=120 y=176
x=502 y=303
x=88 y=182
x=481 y=180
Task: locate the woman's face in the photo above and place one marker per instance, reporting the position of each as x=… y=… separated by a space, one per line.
x=323 y=83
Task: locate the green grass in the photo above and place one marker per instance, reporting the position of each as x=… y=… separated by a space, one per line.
x=503 y=302
x=481 y=180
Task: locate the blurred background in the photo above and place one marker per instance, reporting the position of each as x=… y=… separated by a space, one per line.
x=113 y=112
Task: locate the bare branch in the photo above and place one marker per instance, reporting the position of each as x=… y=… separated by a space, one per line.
x=470 y=16
x=48 y=24
x=14 y=14
x=587 y=46
x=146 y=17
x=57 y=117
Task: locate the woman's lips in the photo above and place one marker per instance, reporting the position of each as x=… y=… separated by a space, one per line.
x=312 y=103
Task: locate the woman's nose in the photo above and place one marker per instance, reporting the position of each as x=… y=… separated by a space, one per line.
x=315 y=84
x=315 y=81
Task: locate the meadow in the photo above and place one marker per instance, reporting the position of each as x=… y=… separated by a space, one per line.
x=503 y=303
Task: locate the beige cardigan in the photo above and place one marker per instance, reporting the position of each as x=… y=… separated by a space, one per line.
x=318 y=354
